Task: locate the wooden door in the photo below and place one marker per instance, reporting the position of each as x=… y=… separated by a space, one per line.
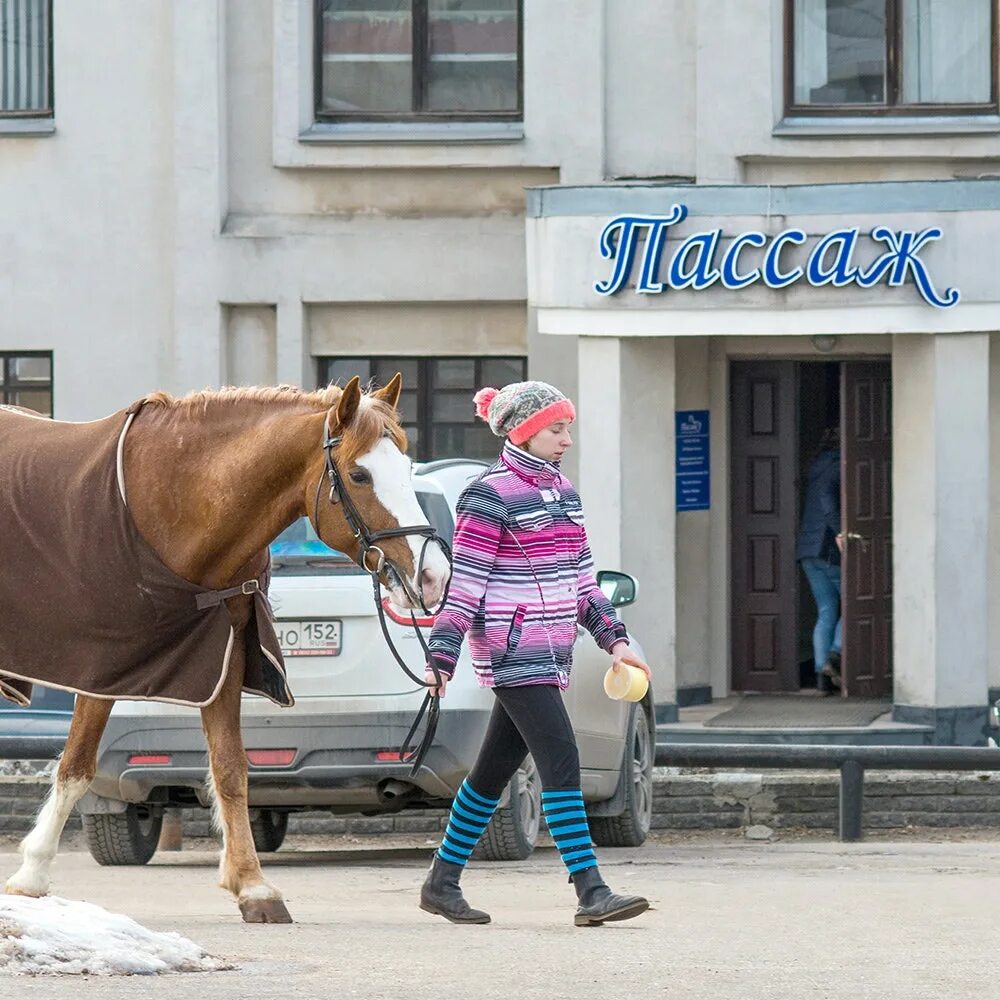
x=763 y=449
x=866 y=508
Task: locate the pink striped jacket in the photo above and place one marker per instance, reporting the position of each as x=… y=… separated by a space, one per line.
x=522 y=578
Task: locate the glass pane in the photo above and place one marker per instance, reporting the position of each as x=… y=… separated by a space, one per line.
x=465 y=442
x=24 y=56
x=413 y=440
x=840 y=55
x=340 y=371
x=31 y=369
x=367 y=57
x=473 y=55
x=33 y=399
x=453 y=408
x=385 y=368
x=454 y=373
x=408 y=406
x=946 y=51
x=499 y=372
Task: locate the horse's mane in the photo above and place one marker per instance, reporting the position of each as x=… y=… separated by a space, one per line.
x=374 y=420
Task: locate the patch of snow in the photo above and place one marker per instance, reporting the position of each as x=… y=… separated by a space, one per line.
x=53 y=936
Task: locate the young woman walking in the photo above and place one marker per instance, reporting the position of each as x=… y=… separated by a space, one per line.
x=522 y=579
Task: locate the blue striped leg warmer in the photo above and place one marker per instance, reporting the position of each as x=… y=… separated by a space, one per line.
x=470 y=814
x=567 y=821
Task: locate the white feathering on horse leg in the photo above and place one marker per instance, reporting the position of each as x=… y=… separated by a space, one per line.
x=39 y=848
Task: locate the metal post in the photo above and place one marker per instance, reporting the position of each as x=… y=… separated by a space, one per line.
x=852 y=796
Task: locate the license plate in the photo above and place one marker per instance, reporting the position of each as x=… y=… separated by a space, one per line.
x=309 y=638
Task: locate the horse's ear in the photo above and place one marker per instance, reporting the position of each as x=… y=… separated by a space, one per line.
x=350 y=400
x=390 y=393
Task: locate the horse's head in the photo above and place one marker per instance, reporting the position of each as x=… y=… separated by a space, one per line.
x=372 y=492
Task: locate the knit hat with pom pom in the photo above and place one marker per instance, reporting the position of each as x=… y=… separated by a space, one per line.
x=520 y=410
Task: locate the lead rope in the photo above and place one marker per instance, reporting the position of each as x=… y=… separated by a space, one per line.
x=431 y=705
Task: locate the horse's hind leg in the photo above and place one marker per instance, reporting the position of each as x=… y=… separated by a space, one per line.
x=239 y=869
x=73 y=777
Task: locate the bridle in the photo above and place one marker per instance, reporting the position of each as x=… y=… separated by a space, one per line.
x=366 y=540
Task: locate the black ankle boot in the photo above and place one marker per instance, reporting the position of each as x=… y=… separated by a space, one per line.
x=442 y=894
x=598 y=903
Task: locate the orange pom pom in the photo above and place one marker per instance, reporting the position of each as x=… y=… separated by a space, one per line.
x=482 y=399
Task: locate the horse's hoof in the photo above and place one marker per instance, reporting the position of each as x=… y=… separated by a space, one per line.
x=15 y=890
x=265 y=911
x=33 y=887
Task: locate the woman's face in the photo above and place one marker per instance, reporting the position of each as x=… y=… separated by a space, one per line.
x=550 y=444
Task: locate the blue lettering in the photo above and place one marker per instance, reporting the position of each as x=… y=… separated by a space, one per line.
x=841 y=274
x=622 y=254
x=773 y=276
x=655 y=241
x=703 y=274
x=902 y=257
x=731 y=278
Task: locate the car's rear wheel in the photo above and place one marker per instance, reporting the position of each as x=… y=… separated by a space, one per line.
x=631 y=828
x=126 y=838
x=513 y=832
x=269 y=828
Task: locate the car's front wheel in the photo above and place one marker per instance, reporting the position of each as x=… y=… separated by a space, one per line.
x=125 y=838
x=512 y=833
x=631 y=828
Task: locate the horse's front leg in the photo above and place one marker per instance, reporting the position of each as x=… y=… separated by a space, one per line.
x=73 y=777
x=239 y=869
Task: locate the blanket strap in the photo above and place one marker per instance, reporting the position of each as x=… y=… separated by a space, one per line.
x=213 y=598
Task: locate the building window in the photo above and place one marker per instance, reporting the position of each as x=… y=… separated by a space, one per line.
x=26 y=380
x=436 y=405
x=405 y=60
x=25 y=58
x=901 y=57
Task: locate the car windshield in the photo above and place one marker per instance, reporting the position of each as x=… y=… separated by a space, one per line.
x=298 y=550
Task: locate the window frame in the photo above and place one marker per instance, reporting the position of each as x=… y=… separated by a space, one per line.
x=424 y=423
x=8 y=385
x=419 y=84
x=39 y=113
x=894 y=58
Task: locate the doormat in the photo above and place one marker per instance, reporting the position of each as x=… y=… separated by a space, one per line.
x=761 y=711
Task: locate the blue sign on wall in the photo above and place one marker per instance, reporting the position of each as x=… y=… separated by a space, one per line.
x=693 y=476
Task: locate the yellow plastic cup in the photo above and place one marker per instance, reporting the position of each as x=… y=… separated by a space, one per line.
x=627 y=684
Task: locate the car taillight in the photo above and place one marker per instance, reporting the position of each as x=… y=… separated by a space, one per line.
x=270 y=758
x=392 y=755
x=150 y=758
x=404 y=618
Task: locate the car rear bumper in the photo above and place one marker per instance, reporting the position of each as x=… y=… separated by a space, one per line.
x=335 y=763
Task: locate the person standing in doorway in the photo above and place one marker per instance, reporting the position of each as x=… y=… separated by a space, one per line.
x=522 y=580
x=819 y=548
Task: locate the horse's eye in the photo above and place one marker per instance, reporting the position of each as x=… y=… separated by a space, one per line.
x=361 y=477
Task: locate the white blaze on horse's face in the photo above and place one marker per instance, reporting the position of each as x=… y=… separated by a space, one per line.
x=392 y=483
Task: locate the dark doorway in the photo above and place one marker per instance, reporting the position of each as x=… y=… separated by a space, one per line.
x=779 y=411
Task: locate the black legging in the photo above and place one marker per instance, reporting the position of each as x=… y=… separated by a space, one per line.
x=527 y=719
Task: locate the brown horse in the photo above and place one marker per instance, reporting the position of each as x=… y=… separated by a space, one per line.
x=211 y=480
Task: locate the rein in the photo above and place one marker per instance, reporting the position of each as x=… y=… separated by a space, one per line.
x=367 y=540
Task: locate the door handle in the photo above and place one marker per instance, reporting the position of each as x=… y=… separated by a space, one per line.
x=853 y=536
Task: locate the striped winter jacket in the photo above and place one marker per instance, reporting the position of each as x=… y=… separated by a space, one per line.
x=522 y=578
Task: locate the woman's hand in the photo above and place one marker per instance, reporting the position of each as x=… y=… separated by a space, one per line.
x=622 y=653
x=432 y=682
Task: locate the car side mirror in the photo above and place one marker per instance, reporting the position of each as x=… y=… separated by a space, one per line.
x=619 y=588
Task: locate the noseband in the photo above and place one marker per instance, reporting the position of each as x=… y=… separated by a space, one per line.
x=366 y=540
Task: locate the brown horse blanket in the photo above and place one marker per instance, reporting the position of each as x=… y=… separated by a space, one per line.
x=85 y=604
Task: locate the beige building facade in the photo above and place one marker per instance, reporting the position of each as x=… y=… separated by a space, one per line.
x=258 y=191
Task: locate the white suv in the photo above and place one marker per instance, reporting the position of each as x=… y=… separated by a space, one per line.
x=337 y=748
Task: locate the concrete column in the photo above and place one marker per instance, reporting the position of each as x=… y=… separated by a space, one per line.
x=941 y=497
x=994 y=525
x=250 y=345
x=294 y=365
x=200 y=193
x=626 y=405
x=694 y=683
